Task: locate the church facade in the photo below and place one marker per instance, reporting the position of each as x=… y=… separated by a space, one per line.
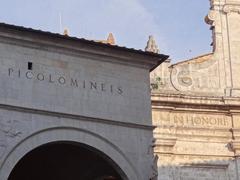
x=196 y=106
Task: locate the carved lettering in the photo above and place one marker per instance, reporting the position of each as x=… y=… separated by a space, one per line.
x=189 y=120
x=10 y=71
x=50 y=79
x=93 y=85
x=40 y=77
x=103 y=87
x=120 y=91
x=111 y=88
x=178 y=120
x=84 y=84
x=74 y=82
x=61 y=80
x=67 y=81
x=199 y=120
x=29 y=75
x=19 y=73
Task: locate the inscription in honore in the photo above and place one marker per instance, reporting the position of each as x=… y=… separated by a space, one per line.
x=199 y=120
x=66 y=81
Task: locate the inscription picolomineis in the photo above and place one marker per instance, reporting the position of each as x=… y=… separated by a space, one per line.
x=199 y=120
x=66 y=81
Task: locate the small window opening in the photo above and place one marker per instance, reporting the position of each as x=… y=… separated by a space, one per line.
x=29 y=65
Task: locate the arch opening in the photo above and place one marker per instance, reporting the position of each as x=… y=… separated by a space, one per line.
x=66 y=161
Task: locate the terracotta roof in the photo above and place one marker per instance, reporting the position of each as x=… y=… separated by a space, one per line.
x=132 y=50
x=198 y=59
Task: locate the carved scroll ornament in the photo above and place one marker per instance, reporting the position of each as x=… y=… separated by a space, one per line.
x=9 y=129
x=231 y=8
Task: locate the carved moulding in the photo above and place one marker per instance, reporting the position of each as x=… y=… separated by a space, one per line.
x=164 y=145
x=231 y=8
x=235 y=147
x=3 y=147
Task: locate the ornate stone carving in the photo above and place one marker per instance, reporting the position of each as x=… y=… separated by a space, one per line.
x=231 y=8
x=197 y=74
x=9 y=129
x=211 y=17
x=184 y=79
x=180 y=78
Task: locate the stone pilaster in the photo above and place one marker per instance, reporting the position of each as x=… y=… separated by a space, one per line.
x=165 y=145
x=224 y=18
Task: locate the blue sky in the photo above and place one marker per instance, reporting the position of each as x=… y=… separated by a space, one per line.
x=177 y=25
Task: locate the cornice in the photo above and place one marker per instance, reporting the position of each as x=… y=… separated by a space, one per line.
x=164 y=145
x=235 y=146
x=231 y=8
x=158 y=98
x=47 y=41
x=75 y=117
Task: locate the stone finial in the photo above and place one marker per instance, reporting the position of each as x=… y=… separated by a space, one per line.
x=151 y=45
x=65 y=32
x=110 y=39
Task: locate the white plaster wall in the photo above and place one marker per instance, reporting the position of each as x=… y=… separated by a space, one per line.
x=36 y=110
x=132 y=104
x=22 y=132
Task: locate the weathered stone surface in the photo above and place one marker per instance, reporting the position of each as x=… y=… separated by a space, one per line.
x=196 y=106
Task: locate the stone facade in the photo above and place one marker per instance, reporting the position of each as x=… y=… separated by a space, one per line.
x=196 y=106
x=56 y=88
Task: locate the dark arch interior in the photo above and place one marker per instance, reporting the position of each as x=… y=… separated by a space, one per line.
x=65 y=161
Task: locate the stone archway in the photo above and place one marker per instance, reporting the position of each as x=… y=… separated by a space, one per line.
x=66 y=160
x=77 y=136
